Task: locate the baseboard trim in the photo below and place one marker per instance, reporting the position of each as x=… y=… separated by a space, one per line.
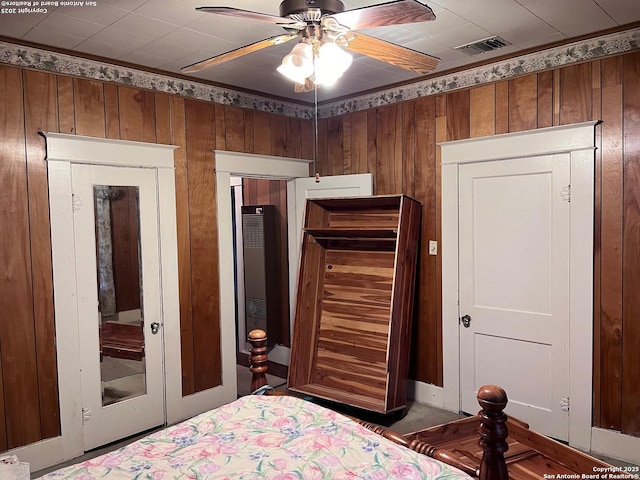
x=616 y=445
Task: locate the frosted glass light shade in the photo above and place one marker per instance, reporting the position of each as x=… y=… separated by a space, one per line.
x=331 y=63
x=298 y=64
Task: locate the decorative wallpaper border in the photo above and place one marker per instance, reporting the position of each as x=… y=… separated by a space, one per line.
x=590 y=49
x=40 y=59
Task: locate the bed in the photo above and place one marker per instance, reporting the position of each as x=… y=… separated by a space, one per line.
x=277 y=436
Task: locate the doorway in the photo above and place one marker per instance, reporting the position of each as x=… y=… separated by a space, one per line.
x=299 y=187
x=576 y=144
x=137 y=180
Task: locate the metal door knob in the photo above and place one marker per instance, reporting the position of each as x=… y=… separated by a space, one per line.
x=466 y=321
x=155 y=326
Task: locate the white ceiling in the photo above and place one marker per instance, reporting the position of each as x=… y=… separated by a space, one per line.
x=170 y=34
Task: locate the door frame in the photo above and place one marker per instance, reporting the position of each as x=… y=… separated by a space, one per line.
x=62 y=151
x=236 y=164
x=578 y=140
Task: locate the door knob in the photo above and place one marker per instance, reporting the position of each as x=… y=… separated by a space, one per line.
x=155 y=326
x=466 y=321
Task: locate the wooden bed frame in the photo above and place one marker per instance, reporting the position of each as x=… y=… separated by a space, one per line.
x=476 y=445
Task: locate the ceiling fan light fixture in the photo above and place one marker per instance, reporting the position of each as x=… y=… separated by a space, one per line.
x=298 y=64
x=330 y=63
x=338 y=58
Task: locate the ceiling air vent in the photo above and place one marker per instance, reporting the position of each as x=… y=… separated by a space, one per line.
x=481 y=46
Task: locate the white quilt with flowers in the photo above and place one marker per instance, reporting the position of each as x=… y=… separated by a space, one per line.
x=257 y=437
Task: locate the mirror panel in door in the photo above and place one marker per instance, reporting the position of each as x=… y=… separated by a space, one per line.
x=121 y=337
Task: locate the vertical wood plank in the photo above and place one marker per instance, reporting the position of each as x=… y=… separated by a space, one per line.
x=335 y=146
x=575 y=93
x=372 y=146
x=111 y=111
x=163 y=118
x=424 y=363
x=322 y=149
x=17 y=332
x=234 y=128
x=66 y=107
x=41 y=115
x=307 y=135
x=545 y=99
x=278 y=135
x=631 y=252
x=294 y=140
x=125 y=234
x=408 y=148
x=220 y=127
x=502 y=107
x=179 y=138
x=389 y=154
x=347 y=169
x=278 y=194
x=523 y=104
x=441 y=136
x=556 y=97
x=358 y=142
x=597 y=240
x=137 y=114
x=611 y=246
x=248 y=191
x=201 y=140
x=89 y=107
x=261 y=133
x=458 y=115
x=482 y=111
x=262 y=192
x=248 y=131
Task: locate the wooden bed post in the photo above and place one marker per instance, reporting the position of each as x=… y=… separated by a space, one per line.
x=258 y=359
x=493 y=432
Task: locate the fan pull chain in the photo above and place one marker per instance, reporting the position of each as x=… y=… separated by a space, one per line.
x=315 y=142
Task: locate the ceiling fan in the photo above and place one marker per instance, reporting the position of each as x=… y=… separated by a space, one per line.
x=323 y=25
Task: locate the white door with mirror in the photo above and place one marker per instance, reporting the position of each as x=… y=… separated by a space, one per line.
x=119 y=301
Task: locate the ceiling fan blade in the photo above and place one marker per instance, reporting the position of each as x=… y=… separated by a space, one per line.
x=238 y=52
x=237 y=12
x=394 y=54
x=392 y=13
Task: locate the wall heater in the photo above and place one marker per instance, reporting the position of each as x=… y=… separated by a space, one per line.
x=262 y=304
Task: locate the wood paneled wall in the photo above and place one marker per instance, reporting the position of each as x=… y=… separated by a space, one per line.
x=33 y=101
x=397 y=143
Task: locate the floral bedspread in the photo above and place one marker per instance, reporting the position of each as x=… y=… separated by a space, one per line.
x=257 y=437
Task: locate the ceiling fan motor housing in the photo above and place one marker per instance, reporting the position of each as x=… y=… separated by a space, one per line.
x=327 y=7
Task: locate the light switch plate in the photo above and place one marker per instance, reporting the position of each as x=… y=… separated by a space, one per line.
x=433 y=247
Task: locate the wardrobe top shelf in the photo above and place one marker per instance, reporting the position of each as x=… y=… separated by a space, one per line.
x=352 y=233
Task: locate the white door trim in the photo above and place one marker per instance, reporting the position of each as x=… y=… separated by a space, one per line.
x=62 y=151
x=578 y=141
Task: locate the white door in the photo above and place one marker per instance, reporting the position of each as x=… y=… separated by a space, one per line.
x=514 y=286
x=117 y=256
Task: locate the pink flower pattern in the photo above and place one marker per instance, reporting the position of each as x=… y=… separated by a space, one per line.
x=278 y=438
